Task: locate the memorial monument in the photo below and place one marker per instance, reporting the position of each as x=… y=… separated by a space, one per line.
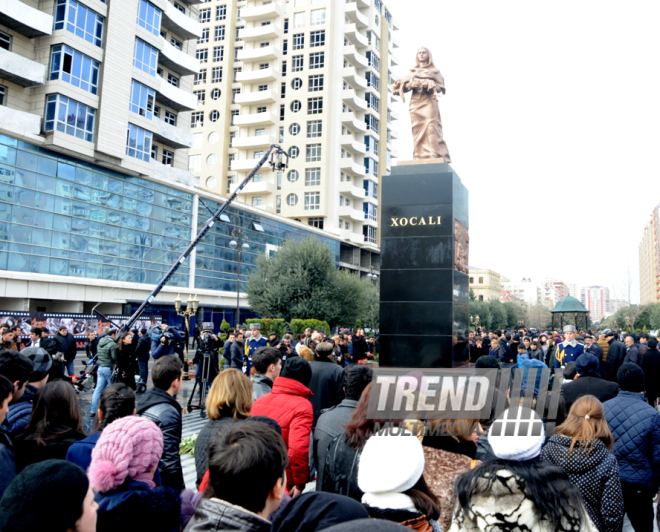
x=424 y=284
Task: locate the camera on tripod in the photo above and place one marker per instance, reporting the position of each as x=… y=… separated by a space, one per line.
x=206 y=359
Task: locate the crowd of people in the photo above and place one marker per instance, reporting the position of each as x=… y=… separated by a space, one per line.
x=289 y=447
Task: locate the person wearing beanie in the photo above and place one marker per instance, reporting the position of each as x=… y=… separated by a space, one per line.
x=395 y=489
x=317 y=510
x=124 y=461
x=20 y=410
x=289 y=405
x=588 y=381
x=517 y=491
x=635 y=426
x=52 y=495
x=580 y=446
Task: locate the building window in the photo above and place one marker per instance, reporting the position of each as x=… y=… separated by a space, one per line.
x=214 y=115
x=70 y=117
x=5 y=40
x=261 y=109
x=298 y=41
x=296 y=83
x=79 y=20
x=74 y=67
x=202 y=55
x=167 y=158
x=295 y=106
x=373 y=59
x=205 y=15
x=312 y=177
x=234 y=114
x=370 y=166
x=291 y=200
x=260 y=131
x=218 y=53
x=314 y=129
x=292 y=176
x=283 y=68
x=370 y=189
x=142 y=100
x=282 y=110
x=299 y=19
x=216 y=75
x=481 y=280
x=278 y=204
x=372 y=101
x=138 y=143
x=294 y=151
x=296 y=63
x=149 y=17
x=315 y=222
x=256 y=201
x=215 y=93
x=285 y=47
x=3 y=95
x=317 y=60
x=370 y=211
x=197 y=119
x=316 y=83
x=154 y=152
x=313 y=153
x=156 y=111
x=314 y=106
x=200 y=77
x=481 y=298
x=369 y=234
x=281 y=135
x=372 y=80
x=263 y=66
x=279 y=180
x=286 y=26
x=317 y=16
x=180 y=8
x=471 y=280
x=317 y=38
x=237 y=71
x=371 y=144
x=372 y=122
x=312 y=201
x=170 y=118
x=145 y=57
x=201 y=96
x=221 y=13
x=234 y=93
x=220 y=33
x=204 y=37
x=283 y=90
x=294 y=129
x=172 y=80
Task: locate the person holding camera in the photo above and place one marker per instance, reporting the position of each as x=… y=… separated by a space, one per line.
x=208 y=347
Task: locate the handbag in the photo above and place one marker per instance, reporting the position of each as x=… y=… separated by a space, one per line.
x=116 y=375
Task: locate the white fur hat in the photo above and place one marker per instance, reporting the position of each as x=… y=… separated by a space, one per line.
x=391 y=463
x=518 y=434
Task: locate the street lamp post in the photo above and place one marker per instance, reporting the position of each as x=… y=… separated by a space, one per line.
x=239 y=236
x=191 y=310
x=372 y=275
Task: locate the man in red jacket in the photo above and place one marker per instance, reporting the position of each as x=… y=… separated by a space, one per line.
x=288 y=404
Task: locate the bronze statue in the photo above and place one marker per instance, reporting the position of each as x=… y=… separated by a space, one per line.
x=425 y=81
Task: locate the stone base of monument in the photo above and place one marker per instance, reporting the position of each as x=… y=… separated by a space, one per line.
x=424 y=283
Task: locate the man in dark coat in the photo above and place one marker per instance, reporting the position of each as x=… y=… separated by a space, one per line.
x=588 y=381
x=635 y=426
x=651 y=369
x=327 y=382
x=615 y=355
x=66 y=344
x=237 y=353
x=632 y=352
x=143 y=352
x=160 y=406
x=360 y=347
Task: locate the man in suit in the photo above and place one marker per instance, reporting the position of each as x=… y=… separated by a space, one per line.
x=588 y=381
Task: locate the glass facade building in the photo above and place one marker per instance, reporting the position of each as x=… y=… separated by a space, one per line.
x=62 y=216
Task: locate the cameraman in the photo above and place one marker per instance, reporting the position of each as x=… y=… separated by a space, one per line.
x=208 y=346
x=164 y=341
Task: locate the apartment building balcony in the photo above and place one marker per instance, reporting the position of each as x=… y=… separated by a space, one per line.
x=351 y=168
x=174 y=97
x=395 y=39
x=261 y=13
x=352 y=13
x=356 y=58
x=352 y=77
x=180 y=23
x=370 y=199
x=255 y=97
x=256 y=119
x=348 y=142
x=350 y=98
x=394 y=154
x=21 y=70
x=177 y=60
x=19 y=121
x=373 y=111
x=258 y=75
x=260 y=187
x=348 y=188
x=363 y=3
x=350 y=213
x=350 y=236
x=173 y=136
x=25 y=19
x=370 y=222
x=253 y=55
x=394 y=133
x=353 y=34
x=254 y=141
x=395 y=59
x=349 y=120
x=259 y=33
x=394 y=114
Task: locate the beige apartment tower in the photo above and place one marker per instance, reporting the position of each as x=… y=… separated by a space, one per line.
x=486 y=284
x=316 y=77
x=649 y=262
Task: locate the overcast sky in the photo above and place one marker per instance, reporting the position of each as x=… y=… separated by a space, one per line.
x=552 y=119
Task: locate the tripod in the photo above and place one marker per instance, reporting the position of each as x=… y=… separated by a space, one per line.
x=202 y=381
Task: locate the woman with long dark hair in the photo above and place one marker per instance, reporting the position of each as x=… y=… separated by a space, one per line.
x=517 y=491
x=55 y=424
x=126 y=360
x=580 y=446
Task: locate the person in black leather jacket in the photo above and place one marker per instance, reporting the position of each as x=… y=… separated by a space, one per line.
x=142 y=353
x=66 y=344
x=160 y=406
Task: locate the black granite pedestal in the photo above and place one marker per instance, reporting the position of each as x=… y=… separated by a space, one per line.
x=424 y=283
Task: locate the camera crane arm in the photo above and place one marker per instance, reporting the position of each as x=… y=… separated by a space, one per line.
x=275 y=152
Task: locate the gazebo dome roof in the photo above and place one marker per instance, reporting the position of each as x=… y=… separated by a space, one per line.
x=569 y=304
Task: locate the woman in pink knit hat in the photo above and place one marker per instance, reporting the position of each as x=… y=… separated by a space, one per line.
x=121 y=474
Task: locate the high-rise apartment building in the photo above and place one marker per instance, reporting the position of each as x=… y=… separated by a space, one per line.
x=649 y=262
x=96 y=200
x=315 y=77
x=596 y=299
